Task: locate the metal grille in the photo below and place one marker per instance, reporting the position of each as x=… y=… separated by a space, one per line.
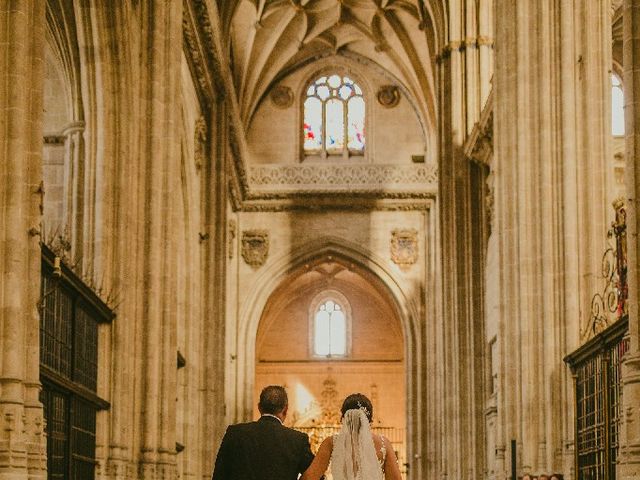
x=56 y=322
x=85 y=348
x=590 y=417
x=56 y=411
x=598 y=402
x=83 y=439
x=616 y=353
x=69 y=319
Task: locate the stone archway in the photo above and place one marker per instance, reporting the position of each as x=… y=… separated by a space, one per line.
x=407 y=303
x=321 y=360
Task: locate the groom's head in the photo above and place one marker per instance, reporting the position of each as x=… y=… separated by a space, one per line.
x=273 y=400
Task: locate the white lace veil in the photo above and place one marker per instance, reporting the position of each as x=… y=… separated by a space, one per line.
x=354 y=455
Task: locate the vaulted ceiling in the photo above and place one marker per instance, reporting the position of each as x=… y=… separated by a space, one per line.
x=272 y=38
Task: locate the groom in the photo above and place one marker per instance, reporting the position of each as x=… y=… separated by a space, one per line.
x=265 y=449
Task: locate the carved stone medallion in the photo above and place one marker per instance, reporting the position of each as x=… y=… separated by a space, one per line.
x=388 y=96
x=404 y=247
x=282 y=96
x=255 y=247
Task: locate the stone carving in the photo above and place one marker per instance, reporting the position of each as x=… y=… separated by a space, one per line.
x=404 y=247
x=329 y=403
x=388 y=96
x=200 y=142
x=319 y=178
x=233 y=231
x=282 y=96
x=202 y=57
x=255 y=247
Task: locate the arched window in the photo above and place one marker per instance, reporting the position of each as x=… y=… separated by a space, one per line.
x=617 y=106
x=330 y=318
x=333 y=117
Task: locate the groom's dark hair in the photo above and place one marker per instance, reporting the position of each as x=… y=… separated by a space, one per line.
x=273 y=399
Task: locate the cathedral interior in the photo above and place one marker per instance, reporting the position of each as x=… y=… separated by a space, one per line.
x=431 y=202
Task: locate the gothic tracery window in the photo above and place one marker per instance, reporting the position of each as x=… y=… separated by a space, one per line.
x=617 y=106
x=330 y=325
x=334 y=117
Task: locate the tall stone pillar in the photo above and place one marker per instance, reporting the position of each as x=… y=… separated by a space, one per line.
x=457 y=436
x=551 y=148
x=22 y=442
x=629 y=467
x=161 y=155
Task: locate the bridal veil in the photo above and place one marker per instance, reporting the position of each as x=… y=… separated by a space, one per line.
x=354 y=454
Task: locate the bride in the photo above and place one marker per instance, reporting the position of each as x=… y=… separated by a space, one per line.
x=355 y=453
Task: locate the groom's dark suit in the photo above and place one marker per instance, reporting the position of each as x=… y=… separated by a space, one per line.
x=262 y=450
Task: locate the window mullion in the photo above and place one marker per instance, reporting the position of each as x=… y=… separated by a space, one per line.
x=345 y=128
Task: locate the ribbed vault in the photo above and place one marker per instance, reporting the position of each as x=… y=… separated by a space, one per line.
x=271 y=38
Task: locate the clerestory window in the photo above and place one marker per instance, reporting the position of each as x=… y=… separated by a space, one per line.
x=334 y=117
x=617 y=106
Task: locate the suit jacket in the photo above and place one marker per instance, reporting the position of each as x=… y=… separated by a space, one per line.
x=262 y=450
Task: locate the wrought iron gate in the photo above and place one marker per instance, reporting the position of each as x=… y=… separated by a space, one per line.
x=596 y=365
x=69 y=316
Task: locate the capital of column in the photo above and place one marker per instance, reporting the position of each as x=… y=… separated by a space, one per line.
x=73 y=127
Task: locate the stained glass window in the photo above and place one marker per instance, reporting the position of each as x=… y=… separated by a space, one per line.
x=330 y=330
x=617 y=106
x=334 y=112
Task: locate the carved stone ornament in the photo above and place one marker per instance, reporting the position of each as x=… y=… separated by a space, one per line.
x=388 y=96
x=282 y=96
x=255 y=247
x=200 y=142
x=404 y=247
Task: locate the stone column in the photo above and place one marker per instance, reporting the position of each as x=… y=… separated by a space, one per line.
x=550 y=143
x=22 y=443
x=462 y=83
x=160 y=154
x=630 y=429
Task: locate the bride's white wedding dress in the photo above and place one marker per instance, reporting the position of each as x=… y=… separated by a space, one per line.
x=354 y=455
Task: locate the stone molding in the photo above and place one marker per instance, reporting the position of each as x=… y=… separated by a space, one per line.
x=344 y=178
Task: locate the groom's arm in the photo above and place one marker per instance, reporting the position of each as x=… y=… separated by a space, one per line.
x=307 y=456
x=223 y=459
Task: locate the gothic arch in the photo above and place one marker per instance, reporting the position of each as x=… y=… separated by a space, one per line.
x=242 y=368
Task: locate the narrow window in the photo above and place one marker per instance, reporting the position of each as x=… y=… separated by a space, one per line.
x=617 y=107
x=330 y=330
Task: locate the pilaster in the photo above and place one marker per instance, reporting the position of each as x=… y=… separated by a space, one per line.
x=22 y=441
x=629 y=467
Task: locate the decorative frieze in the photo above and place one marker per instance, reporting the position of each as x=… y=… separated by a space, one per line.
x=404 y=247
x=347 y=178
x=255 y=247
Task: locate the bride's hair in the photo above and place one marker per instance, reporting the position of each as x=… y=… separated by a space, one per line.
x=358 y=401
